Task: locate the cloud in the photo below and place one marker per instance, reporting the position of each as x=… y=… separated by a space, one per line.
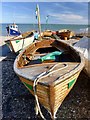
x=61 y=6
x=67 y=16
x=70 y=18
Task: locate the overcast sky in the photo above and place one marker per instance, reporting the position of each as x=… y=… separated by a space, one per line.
x=59 y=12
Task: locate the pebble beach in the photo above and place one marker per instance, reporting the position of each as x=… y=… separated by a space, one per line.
x=33 y=21
x=18 y=103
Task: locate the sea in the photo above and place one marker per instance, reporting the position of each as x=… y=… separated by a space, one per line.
x=54 y=27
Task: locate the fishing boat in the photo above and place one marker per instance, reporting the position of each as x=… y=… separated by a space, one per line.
x=14 y=30
x=65 y=34
x=48 y=34
x=49 y=70
x=18 y=43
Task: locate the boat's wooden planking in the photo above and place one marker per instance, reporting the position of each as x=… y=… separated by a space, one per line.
x=54 y=87
x=51 y=96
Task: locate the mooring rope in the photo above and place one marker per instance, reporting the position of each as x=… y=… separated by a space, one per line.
x=43 y=75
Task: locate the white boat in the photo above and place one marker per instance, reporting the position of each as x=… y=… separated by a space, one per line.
x=18 y=43
x=83 y=47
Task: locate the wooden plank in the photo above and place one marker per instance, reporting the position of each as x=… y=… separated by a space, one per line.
x=58 y=95
x=58 y=103
x=52 y=99
x=42 y=94
x=62 y=82
x=59 y=88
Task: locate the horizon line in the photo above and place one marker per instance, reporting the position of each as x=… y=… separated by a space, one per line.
x=50 y=23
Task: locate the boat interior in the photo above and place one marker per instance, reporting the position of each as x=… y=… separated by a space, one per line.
x=30 y=60
x=32 y=57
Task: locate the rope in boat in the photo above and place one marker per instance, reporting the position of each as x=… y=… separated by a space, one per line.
x=43 y=75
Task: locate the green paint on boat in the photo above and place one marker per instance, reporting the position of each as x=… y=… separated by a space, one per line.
x=29 y=86
x=17 y=41
x=71 y=83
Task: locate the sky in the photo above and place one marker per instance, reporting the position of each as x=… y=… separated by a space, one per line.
x=59 y=12
x=45 y=0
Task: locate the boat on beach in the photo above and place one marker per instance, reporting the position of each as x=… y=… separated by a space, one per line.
x=17 y=43
x=14 y=30
x=65 y=34
x=48 y=33
x=49 y=70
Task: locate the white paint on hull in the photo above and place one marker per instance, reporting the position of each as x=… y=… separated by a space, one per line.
x=21 y=44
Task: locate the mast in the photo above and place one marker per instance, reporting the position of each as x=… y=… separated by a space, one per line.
x=47 y=19
x=38 y=16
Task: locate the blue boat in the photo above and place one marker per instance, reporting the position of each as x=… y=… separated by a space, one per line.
x=13 y=30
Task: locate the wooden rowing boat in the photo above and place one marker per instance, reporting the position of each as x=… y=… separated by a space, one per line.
x=49 y=70
x=65 y=34
x=47 y=33
x=19 y=42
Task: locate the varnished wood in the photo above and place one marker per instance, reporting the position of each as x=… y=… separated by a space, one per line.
x=52 y=89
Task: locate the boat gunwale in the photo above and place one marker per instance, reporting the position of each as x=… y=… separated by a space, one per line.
x=20 y=38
